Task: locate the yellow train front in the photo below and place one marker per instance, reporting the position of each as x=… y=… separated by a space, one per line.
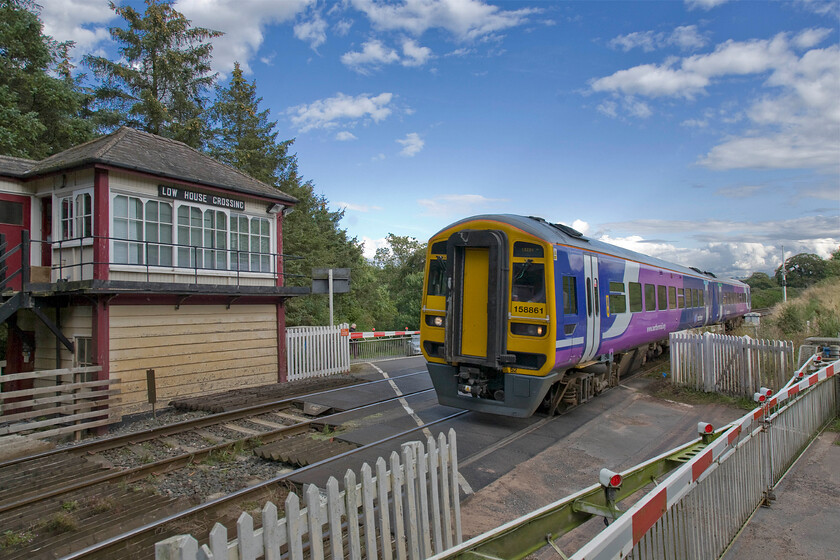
x=486 y=326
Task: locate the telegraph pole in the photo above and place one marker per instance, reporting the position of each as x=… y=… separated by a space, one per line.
x=784 y=276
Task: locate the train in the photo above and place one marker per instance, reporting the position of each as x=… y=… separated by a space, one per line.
x=520 y=314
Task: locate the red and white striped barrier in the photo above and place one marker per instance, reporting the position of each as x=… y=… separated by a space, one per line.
x=618 y=540
x=379 y=334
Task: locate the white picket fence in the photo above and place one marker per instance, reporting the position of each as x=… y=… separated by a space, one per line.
x=732 y=365
x=317 y=351
x=411 y=511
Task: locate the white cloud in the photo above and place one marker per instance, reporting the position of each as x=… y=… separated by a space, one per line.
x=415 y=55
x=459 y=204
x=313 y=31
x=581 y=226
x=243 y=23
x=465 y=19
x=704 y=4
x=344 y=136
x=684 y=37
x=412 y=144
x=358 y=207
x=369 y=246
x=373 y=55
x=83 y=21
x=327 y=113
x=793 y=121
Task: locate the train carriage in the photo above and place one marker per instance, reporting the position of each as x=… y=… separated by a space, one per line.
x=518 y=312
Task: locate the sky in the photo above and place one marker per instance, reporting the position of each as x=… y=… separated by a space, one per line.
x=703 y=132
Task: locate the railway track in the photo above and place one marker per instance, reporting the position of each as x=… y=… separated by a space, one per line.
x=153 y=517
x=65 y=499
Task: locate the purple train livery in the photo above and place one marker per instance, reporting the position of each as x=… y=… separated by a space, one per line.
x=519 y=313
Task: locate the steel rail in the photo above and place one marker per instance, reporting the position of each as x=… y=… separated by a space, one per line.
x=184 y=426
x=180 y=461
x=111 y=546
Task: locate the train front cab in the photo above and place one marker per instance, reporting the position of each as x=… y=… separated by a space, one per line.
x=490 y=344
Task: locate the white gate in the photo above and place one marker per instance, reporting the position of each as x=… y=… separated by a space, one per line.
x=317 y=351
x=734 y=365
x=411 y=511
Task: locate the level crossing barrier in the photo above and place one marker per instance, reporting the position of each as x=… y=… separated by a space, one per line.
x=704 y=492
x=410 y=511
x=732 y=365
x=377 y=345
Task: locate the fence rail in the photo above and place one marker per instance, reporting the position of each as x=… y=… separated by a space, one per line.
x=699 y=509
x=56 y=402
x=733 y=365
x=411 y=511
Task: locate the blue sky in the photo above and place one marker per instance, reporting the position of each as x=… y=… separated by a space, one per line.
x=705 y=132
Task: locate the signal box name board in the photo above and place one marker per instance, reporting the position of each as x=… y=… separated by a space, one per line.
x=201 y=198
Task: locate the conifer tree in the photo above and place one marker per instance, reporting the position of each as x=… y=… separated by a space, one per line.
x=161 y=81
x=40 y=114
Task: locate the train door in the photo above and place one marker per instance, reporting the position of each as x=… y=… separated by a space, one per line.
x=14 y=218
x=476 y=322
x=593 y=307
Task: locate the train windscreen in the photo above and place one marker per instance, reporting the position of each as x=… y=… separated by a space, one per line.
x=528 y=282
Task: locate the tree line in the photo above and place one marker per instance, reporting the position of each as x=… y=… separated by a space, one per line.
x=161 y=82
x=800 y=271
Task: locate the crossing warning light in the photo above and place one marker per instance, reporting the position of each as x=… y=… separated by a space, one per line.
x=766 y=392
x=609 y=479
x=704 y=428
x=759 y=397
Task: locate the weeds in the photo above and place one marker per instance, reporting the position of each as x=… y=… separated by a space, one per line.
x=70 y=507
x=59 y=522
x=12 y=539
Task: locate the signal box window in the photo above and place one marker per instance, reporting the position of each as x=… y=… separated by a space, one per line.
x=570 y=295
x=528 y=282
x=663 y=298
x=650 y=297
x=437 y=278
x=618 y=301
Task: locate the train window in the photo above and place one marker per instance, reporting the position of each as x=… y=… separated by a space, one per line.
x=527 y=250
x=702 y=298
x=570 y=295
x=663 y=298
x=681 y=298
x=437 y=278
x=439 y=248
x=695 y=297
x=635 y=294
x=588 y=297
x=650 y=297
x=618 y=301
x=672 y=297
x=528 y=282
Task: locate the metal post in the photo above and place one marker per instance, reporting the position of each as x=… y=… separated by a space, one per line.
x=331 y=296
x=784 y=276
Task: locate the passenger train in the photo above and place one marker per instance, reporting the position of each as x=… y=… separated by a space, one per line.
x=519 y=312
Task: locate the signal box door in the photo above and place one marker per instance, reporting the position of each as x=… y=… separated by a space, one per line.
x=476 y=323
x=593 y=307
x=14 y=218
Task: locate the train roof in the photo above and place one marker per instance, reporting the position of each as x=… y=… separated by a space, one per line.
x=565 y=235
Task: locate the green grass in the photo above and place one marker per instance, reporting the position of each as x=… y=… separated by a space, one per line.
x=59 y=522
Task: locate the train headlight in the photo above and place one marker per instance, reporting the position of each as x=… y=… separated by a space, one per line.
x=434 y=320
x=527 y=329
